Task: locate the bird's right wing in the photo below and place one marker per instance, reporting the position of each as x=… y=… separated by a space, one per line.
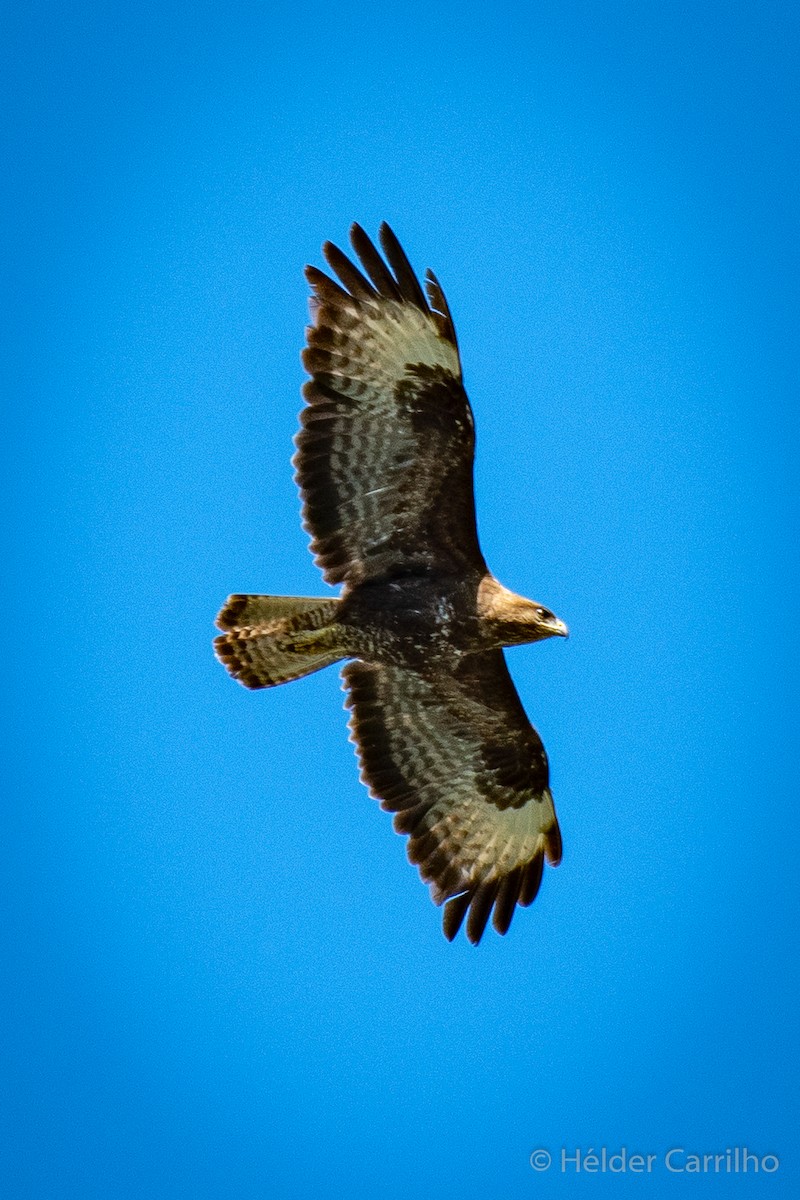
x=384 y=455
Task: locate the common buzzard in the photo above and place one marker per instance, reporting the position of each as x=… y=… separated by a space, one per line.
x=384 y=465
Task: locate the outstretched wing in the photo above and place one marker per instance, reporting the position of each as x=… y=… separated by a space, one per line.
x=455 y=757
x=384 y=456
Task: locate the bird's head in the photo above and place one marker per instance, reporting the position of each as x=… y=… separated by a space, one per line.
x=545 y=623
x=511 y=620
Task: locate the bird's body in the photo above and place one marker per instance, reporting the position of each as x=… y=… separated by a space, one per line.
x=384 y=464
x=430 y=621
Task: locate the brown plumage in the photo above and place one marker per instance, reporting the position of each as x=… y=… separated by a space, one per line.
x=384 y=464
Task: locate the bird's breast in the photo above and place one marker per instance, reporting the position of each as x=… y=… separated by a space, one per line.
x=411 y=619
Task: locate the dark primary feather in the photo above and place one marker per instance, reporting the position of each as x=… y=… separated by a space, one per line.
x=456 y=759
x=374 y=265
x=349 y=274
x=404 y=273
x=440 y=309
x=386 y=446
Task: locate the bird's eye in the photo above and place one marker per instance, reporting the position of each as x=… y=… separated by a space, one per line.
x=544 y=614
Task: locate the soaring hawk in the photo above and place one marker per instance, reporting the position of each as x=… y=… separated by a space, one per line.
x=384 y=465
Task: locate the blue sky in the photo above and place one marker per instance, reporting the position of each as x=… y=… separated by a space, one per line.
x=225 y=979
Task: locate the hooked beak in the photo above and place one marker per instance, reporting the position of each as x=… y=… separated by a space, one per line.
x=557 y=628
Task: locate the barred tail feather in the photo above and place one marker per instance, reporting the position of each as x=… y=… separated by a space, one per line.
x=269 y=640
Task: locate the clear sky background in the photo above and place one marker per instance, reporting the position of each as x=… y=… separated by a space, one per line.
x=224 y=978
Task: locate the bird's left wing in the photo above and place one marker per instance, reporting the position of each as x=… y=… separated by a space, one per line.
x=456 y=759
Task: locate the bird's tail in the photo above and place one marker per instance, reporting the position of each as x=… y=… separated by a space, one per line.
x=272 y=639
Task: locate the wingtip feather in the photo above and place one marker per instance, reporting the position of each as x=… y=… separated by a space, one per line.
x=454 y=913
x=407 y=281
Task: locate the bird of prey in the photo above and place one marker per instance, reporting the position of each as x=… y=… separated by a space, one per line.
x=384 y=465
